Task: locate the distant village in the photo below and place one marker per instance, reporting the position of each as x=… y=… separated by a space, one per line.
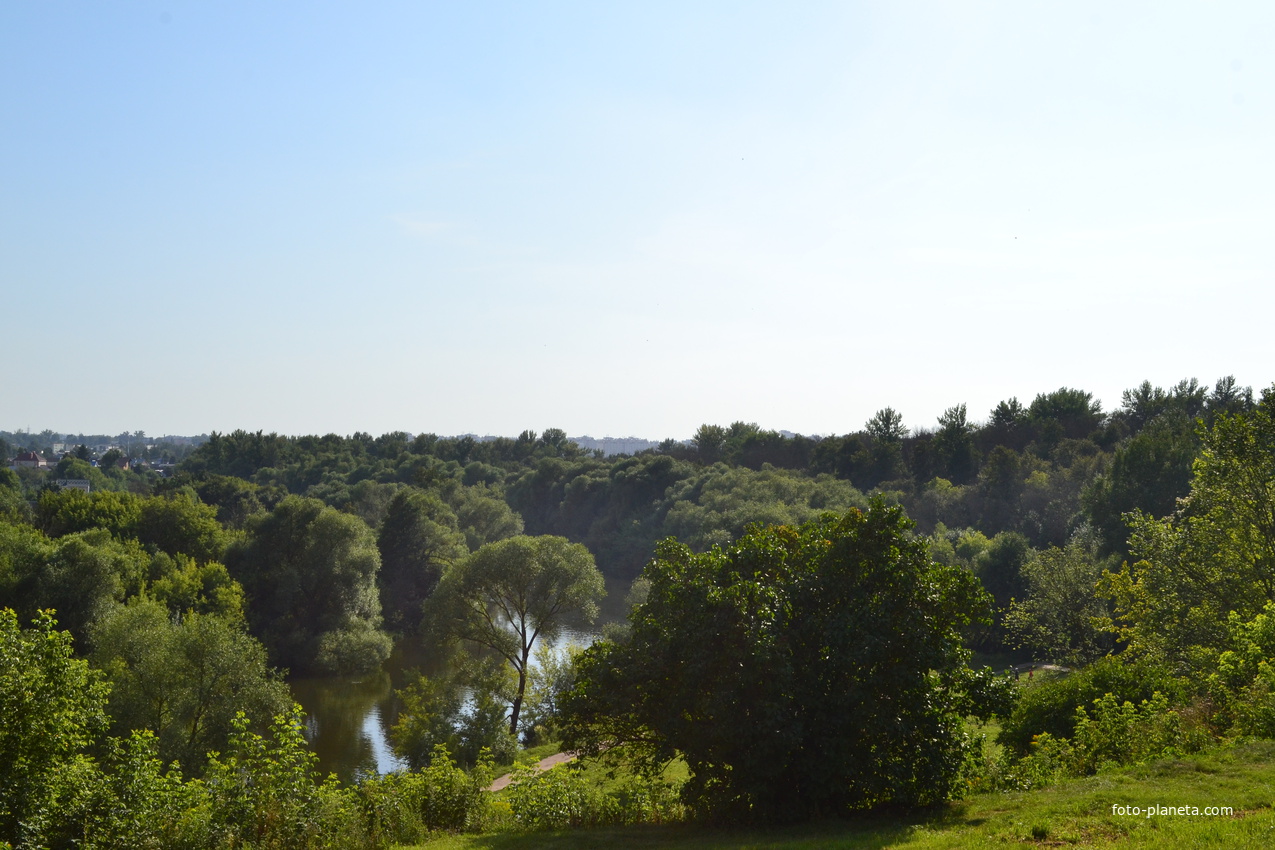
x=134 y=454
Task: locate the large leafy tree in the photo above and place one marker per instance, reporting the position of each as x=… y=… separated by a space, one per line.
x=184 y=680
x=483 y=516
x=882 y=459
x=709 y=442
x=418 y=540
x=181 y=524
x=954 y=446
x=309 y=574
x=512 y=593
x=176 y=523
x=1064 y=414
x=1059 y=617
x=1212 y=556
x=799 y=671
x=79 y=575
x=1149 y=473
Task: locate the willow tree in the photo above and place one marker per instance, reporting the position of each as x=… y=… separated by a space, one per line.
x=309 y=574
x=512 y=593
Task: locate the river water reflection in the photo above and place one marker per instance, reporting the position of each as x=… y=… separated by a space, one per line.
x=347 y=719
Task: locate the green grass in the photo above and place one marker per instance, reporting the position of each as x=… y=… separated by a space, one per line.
x=540 y=751
x=1075 y=813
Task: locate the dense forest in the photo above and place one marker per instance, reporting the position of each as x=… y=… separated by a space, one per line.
x=1133 y=545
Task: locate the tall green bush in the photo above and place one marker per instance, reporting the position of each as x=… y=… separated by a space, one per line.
x=1050 y=706
x=52 y=706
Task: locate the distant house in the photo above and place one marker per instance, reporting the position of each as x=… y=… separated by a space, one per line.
x=29 y=460
x=75 y=483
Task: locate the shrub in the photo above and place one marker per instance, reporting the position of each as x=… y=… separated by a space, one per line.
x=1110 y=732
x=1050 y=707
x=565 y=797
x=405 y=807
x=133 y=802
x=265 y=793
x=51 y=709
x=554 y=799
x=1120 y=733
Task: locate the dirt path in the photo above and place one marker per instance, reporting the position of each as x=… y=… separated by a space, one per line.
x=544 y=764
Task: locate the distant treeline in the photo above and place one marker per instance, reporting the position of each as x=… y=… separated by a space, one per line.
x=1033 y=491
x=1039 y=469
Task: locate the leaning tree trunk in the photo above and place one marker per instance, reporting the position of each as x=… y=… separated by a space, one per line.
x=522 y=686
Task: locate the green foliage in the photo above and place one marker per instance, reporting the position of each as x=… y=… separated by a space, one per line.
x=75 y=467
x=184 y=680
x=176 y=524
x=22 y=549
x=999 y=567
x=1115 y=732
x=408 y=807
x=367 y=499
x=764 y=665
x=309 y=574
x=551 y=678
x=80 y=575
x=1050 y=706
x=418 y=541
x=67 y=511
x=954 y=453
x=999 y=489
x=185 y=586
x=265 y=793
x=463 y=712
x=567 y=797
x=511 y=593
x=51 y=709
x=1213 y=556
x=716 y=507
x=615 y=509
x=1241 y=684
x=1061 y=619
x=483 y=516
x=1109 y=733
x=1148 y=474
x=709 y=442
x=1063 y=414
x=132 y=801
x=235 y=500
x=886 y=425
x=181 y=524
x=13 y=507
x=1023 y=471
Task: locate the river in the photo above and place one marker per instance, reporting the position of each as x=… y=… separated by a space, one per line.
x=347 y=718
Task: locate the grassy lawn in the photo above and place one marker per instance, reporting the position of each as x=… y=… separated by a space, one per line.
x=1076 y=813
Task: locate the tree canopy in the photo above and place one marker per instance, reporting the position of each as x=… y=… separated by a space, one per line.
x=1212 y=556
x=799 y=671
x=309 y=574
x=512 y=593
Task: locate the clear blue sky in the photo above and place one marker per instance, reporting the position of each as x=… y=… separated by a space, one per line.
x=624 y=219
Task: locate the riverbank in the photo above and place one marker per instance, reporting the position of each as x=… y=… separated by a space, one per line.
x=1148 y=806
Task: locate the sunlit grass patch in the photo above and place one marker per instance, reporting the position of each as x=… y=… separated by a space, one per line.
x=1074 y=813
